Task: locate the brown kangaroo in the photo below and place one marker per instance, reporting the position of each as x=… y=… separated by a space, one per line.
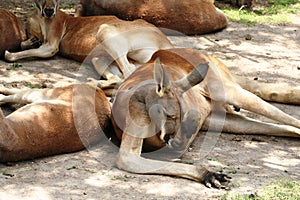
x=54 y=121
x=188 y=17
x=12 y=32
x=166 y=101
x=78 y=37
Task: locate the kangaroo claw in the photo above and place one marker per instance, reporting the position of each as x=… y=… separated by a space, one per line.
x=212 y=179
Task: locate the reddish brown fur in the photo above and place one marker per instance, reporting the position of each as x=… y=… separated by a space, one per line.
x=141 y=112
x=170 y=59
x=188 y=17
x=76 y=36
x=178 y=63
x=99 y=39
x=11 y=31
x=47 y=127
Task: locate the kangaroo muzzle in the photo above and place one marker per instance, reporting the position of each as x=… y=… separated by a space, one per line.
x=189 y=127
x=48 y=12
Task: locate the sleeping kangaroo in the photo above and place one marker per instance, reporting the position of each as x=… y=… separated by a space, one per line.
x=163 y=103
x=168 y=100
x=53 y=121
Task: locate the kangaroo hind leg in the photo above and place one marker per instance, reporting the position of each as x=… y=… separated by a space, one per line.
x=238 y=124
x=278 y=92
x=237 y=96
x=18 y=96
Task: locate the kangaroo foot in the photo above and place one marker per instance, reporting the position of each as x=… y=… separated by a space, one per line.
x=212 y=179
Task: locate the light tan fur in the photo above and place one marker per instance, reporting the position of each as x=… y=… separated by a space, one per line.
x=75 y=38
x=53 y=121
x=277 y=92
x=152 y=114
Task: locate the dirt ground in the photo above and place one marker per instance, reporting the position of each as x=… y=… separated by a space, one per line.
x=269 y=53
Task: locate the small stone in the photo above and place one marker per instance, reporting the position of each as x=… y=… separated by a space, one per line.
x=9 y=67
x=248 y=37
x=237 y=139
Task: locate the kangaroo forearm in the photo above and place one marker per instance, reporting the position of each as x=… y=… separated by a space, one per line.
x=136 y=164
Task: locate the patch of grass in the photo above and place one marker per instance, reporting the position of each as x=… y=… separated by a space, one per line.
x=278 y=12
x=16 y=65
x=252 y=18
x=239 y=197
x=123 y=177
x=68 y=6
x=35 y=85
x=279 y=190
x=232 y=171
x=283 y=189
x=13 y=66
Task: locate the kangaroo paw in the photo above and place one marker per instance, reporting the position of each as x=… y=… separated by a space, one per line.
x=212 y=179
x=35 y=42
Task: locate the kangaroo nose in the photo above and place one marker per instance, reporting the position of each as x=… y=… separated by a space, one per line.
x=48 y=12
x=167 y=137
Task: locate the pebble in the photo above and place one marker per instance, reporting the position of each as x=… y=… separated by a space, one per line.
x=248 y=37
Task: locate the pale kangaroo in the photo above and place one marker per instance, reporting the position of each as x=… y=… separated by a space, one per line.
x=78 y=37
x=54 y=121
x=166 y=101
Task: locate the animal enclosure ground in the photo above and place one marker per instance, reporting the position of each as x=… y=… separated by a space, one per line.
x=266 y=53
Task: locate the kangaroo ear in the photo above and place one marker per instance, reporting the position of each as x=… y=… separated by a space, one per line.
x=193 y=78
x=57 y=2
x=38 y=4
x=163 y=85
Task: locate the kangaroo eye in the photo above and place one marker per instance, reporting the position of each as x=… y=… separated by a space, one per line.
x=172 y=116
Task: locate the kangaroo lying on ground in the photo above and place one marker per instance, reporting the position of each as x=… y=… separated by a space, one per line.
x=177 y=109
x=188 y=17
x=168 y=110
x=78 y=37
x=166 y=101
x=12 y=32
x=54 y=121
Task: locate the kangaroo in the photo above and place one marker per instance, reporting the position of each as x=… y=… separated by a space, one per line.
x=12 y=32
x=78 y=37
x=168 y=100
x=53 y=121
x=188 y=17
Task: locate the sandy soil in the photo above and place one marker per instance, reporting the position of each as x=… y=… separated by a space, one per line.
x=272 y=54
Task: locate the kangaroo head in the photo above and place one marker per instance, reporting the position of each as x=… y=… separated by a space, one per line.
x=47 y=8
x=165 y=105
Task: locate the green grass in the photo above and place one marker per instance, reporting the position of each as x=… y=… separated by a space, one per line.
x=278 y=12
x=280 y=190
